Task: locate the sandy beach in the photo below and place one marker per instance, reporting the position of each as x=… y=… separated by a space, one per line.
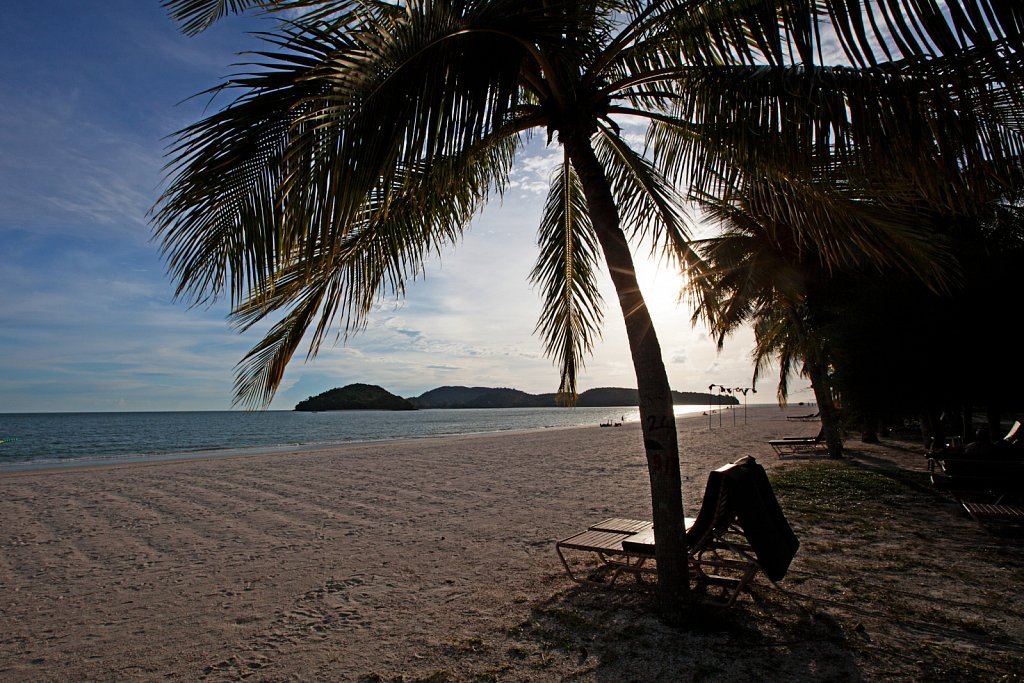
x=433 y=560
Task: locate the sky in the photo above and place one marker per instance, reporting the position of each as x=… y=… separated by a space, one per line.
x=89 y=95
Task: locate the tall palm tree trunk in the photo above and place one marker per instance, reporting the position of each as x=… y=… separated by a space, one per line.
x=821 y=383
x=830 y=423
x=657 y=414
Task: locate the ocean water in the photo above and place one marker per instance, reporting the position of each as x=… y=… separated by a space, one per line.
x=33 y=440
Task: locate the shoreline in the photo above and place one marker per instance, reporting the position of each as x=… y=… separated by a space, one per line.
x=143 y=459
x=120 y=462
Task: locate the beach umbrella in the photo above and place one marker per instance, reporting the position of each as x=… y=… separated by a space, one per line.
x=711 y=410
x=744 y=390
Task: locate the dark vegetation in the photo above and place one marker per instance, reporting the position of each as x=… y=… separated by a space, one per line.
x=942 y=359
x=370 y=397
x=485 y=397
x=355 y=397
x=911 y=323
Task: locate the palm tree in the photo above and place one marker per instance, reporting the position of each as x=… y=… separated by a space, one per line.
x=952 y=351
x=778 y=253
x=372 y=132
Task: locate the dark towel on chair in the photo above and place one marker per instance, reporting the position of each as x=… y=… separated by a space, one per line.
x=707 y=516
x=760 y=517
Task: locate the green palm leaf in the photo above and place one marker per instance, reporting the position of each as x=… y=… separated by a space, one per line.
x=648 y=202
x=378 y=257
x=900 y=126
x=566 y=272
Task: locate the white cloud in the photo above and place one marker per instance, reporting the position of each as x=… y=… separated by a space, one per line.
x=60 y=175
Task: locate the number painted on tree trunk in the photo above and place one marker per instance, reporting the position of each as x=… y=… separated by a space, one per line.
x=658 y=422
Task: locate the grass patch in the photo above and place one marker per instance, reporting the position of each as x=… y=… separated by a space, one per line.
x=834 y=487
x=473 y=644
x=551 y=638
x=518 y=652
x=848 y=499
x=570 y=619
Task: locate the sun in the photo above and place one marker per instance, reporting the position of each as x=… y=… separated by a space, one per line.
x=662 y=285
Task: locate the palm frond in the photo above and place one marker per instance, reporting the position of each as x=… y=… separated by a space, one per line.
x=826 y=226
x=746 y=83
x=378 y=258
x=923 y=129
x=222 y=220
x=195 y=16
x=261 y=370
x=291 y=160
x=775 y=342
x=650 y=207
x=566 y=272
x=867 y=32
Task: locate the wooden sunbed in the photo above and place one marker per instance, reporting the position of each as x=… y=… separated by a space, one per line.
x=738 y=532
x=605 y=540
x=993 y=511
x=790 y=445
x=989 y=490
x=1014 y=434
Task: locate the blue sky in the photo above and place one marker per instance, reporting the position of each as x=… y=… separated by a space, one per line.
x=88 y=95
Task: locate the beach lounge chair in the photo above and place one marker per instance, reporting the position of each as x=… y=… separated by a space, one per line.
x=791 y=445
x=988 y=482
x=982 y=482
x=1014 y=435
x=605 y=540
x=739 y=531
x=993 y=512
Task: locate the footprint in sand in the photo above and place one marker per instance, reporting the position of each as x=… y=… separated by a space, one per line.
x=314 y=615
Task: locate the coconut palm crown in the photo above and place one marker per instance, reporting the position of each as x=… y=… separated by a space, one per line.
x=370 y=133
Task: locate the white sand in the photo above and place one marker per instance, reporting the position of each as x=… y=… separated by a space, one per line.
x=338 y=564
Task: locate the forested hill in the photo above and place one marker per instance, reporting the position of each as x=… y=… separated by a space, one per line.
x=481 y=397
x=487 y=397
x=355 y=397
x=371 y=397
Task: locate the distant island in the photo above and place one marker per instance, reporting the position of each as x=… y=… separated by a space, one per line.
x=371 y=397
x=355 y=397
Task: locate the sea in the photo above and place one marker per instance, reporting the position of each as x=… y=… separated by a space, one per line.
x=53 y=440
